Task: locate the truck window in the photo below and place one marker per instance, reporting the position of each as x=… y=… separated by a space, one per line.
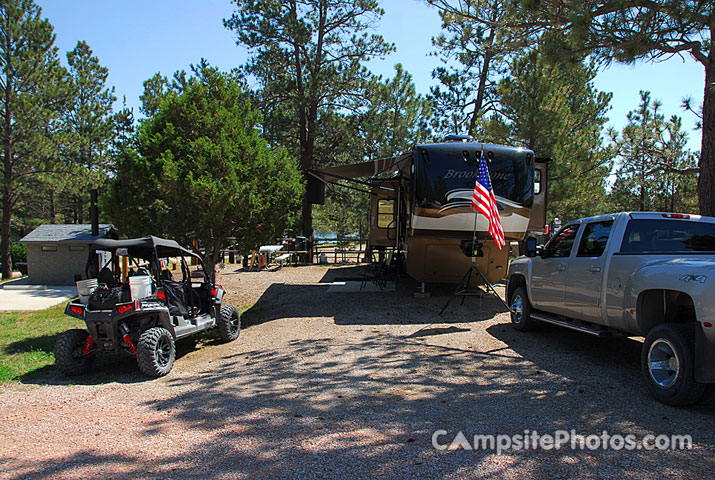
x=594 y=239
x=668 y=236
x=561 y=244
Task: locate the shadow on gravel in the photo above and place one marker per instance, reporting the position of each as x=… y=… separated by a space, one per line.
x=110 y=367
x=376 y=308
x=367 y=406
x=325 y=409
x=62 y=469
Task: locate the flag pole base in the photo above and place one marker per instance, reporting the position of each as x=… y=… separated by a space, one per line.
x=464 y=289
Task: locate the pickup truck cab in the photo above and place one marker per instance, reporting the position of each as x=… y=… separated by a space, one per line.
x=643 y=274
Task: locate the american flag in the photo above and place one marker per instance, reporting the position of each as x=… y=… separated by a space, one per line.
x=486 y=204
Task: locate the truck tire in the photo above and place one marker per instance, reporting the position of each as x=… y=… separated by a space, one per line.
x=521 y=310
x=156 y=352
x=668 y=364
x=229 y=325
x=69 y=357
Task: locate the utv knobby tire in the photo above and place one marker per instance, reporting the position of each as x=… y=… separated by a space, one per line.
x=229 y=325
x=156 y=352
x=668 y=364
x=69 y=357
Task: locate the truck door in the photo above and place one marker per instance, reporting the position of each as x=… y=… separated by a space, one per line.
x=548 y=273
x=585 y=272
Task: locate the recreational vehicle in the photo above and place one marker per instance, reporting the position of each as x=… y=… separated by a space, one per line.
x=421 y=205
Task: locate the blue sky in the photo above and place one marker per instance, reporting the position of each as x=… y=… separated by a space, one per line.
x=136 y=39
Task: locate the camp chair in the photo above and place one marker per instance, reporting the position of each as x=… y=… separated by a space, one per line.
x=379 y=272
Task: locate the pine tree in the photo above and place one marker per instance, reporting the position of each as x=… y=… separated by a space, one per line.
x=89 y=125
x=555 y=110
x=30 y=95
x=632 y=30
x=201 y=173
x=308 y=57
x=476 y=48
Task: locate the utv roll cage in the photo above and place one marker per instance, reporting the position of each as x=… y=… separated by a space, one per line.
x=149 y=249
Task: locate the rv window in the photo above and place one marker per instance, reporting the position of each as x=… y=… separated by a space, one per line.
x=537 y=182
x=385 y=213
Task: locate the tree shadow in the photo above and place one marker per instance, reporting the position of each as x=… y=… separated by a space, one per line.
x=367 y=405
x=107 y=367
x=42 y=343
x=376 y=307
x=326 y=406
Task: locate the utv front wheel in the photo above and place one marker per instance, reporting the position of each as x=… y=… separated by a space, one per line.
x=229 y=325
x=70 y=358
x=156 y=352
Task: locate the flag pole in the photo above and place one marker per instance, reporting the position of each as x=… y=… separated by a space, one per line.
x=474 y=230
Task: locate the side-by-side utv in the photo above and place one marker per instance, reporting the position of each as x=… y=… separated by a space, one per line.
x=140 y=307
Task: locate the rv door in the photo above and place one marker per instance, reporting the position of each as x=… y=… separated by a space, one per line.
x=384 y=218
x=537 y=221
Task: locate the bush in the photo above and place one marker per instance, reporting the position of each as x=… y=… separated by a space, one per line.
x=18 y=253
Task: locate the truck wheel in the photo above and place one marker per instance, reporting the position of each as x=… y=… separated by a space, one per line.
x=156 y=352
x=521 y=310
x=69 y=356
x=229 y=325
x=668 y=364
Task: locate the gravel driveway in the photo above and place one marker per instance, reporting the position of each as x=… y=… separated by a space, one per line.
x=351 y=385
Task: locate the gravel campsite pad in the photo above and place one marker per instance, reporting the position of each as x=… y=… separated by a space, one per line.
x=351 y=385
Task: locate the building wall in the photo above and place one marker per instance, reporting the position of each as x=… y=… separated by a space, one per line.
x=57 y=267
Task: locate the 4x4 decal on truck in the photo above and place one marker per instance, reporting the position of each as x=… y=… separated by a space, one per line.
x=693 y=278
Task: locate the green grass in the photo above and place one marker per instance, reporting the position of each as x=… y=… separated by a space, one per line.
x=9 y=279
x=27 y=340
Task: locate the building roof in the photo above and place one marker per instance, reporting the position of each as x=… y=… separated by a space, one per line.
x=63 y=233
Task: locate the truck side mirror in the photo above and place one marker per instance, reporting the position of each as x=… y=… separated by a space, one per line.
x=531 y=247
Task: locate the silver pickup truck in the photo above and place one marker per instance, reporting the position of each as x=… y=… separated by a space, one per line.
x=634 y=274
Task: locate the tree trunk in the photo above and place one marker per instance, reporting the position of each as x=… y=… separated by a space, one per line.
x=483 y=78
x=706 y=179
x=53 y=213
x=5 y=234
x=210 y=266
x=6 y=190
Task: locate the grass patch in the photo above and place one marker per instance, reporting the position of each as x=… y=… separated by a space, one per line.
x=27 y=340
x=10 y=279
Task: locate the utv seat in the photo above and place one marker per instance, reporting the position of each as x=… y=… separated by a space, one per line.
x=105 y=276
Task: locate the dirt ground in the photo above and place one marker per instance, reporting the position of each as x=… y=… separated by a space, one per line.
x=351 y=385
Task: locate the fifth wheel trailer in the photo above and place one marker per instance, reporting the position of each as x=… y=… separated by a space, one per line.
x=421 y=205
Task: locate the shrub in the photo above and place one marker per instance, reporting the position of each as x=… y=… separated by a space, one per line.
x=18 y=253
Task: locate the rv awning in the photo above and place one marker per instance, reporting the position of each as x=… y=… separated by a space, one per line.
x=364 y=169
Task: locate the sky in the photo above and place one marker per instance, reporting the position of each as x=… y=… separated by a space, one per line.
x=135 y=39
